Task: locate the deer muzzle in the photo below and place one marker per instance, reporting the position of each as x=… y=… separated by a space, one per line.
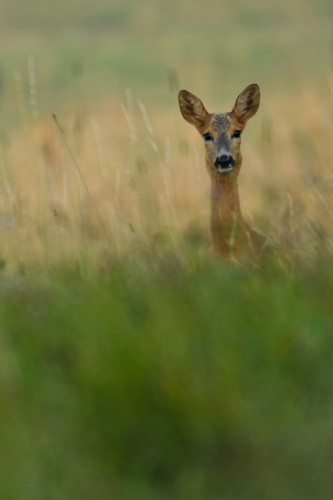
x=224 y=163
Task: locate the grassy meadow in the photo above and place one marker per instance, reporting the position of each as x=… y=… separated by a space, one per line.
x=133 y=362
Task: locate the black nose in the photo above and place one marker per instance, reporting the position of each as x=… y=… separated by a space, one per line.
x=224 y=161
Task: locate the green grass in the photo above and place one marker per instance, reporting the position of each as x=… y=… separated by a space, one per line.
x=163 y=382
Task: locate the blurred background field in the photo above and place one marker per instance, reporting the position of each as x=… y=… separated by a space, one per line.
x=133 y=363
x=111 y=74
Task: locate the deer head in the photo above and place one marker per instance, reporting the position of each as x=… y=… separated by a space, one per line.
x=221 y=131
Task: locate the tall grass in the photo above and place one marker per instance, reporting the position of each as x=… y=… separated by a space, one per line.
x=133 y=362
x=109 y=179
x=210 y=382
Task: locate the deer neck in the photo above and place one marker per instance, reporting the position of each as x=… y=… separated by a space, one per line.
x=227 y=223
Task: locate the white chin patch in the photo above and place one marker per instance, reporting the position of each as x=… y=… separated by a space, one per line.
x=225 y=170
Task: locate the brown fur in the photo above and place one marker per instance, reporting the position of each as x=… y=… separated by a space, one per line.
x=231 y=235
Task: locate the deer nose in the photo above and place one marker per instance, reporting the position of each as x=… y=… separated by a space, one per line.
x=224 y=161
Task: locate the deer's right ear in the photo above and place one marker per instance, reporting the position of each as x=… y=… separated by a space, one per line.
x=247 y=103
x=192 y=108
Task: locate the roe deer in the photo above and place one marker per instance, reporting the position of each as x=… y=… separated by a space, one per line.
x=231 y=235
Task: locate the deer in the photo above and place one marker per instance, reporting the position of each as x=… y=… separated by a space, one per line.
x=232 y=237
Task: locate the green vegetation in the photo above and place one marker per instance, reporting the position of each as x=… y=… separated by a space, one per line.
x=166 y=383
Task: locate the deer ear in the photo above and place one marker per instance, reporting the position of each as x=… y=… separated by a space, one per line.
x=247 y=103
x=192 y=108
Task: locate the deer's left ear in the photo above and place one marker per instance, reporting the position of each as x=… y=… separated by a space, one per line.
x=247 y=103
x=192 y=108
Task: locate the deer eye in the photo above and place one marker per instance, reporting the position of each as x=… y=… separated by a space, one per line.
x=236 y=134
x=207 y=137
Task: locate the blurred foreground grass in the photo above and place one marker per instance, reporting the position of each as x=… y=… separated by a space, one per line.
x=166 y=382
